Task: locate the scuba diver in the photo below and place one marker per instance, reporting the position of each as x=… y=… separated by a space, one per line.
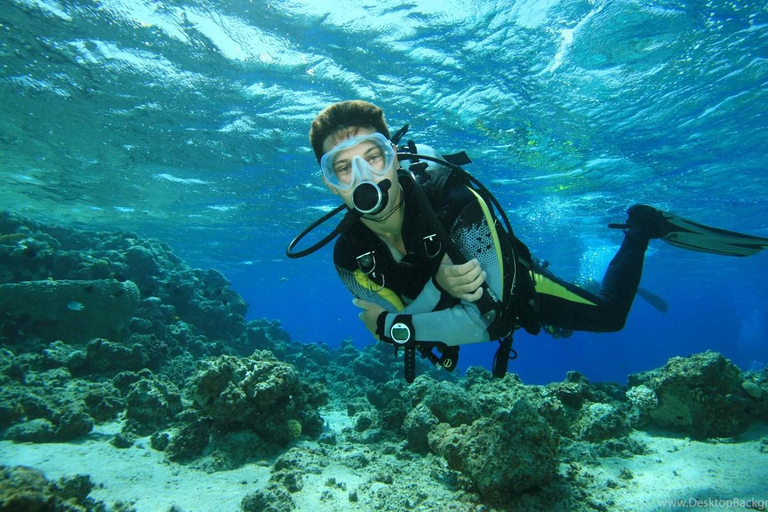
x=431 y=258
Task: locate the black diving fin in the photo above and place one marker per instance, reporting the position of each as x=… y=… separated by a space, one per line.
x=694 y=236
x=698 y=237
x=654 y=300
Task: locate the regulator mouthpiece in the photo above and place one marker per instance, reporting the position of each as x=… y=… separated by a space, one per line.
x=371 y=198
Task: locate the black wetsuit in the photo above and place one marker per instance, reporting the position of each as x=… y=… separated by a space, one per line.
x=405 y=285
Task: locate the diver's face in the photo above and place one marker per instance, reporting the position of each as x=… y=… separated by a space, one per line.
x=340 y=179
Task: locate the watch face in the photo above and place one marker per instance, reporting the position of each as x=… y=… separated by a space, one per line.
x=400 y=332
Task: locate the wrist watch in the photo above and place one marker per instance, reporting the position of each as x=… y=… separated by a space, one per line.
x=401 y=331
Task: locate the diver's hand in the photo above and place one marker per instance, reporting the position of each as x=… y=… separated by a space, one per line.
x=461 y=281
x=369 y=314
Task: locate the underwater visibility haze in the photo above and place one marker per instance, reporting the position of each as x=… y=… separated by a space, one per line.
x=187 y=121
x=159 y=352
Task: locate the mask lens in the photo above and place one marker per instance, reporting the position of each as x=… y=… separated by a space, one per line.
x=357 y=159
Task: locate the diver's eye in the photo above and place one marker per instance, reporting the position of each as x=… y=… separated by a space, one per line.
x=375 y=159
x=342 y=170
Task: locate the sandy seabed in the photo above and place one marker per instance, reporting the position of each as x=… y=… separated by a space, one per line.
x=677 y=473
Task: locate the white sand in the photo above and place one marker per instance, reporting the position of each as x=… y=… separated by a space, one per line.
x=137 y=475
x=142 y=477
x=678 y=469
x=701 y=475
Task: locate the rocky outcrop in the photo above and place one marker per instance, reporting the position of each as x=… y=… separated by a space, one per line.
x=505 y=454
x=27 y=489
x=257 y=393
x=71 y=310
x=701 y=395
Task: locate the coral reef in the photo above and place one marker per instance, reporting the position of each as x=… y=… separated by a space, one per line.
x=508 y=453
x=107 y=327
x=151 y=405
x=64 y=275
x=47 y=407
x=103 y=326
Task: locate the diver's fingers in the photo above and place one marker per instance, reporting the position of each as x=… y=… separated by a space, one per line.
x=475 y=271
x=472 y=267
x=473 y=285
x=474 y=296
x=480 y=279
x=362 y=304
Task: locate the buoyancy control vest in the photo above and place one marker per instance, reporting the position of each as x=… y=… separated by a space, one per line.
x=437 y=181
x=437 y=178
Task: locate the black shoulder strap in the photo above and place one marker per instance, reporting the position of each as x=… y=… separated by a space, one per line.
x=460 y=158
x=435 y=181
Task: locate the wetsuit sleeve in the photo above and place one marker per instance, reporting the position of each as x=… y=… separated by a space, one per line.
x=475 y=234
x=427 y=300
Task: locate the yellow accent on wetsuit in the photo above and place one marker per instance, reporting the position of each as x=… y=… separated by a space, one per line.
x=548 y=287
x=385 y=293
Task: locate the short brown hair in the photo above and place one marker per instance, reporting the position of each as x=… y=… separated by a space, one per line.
x=344 y=115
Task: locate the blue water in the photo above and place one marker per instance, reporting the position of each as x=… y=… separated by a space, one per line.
x=187 y=121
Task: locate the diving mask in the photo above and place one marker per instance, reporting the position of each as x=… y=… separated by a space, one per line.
x=358 y=159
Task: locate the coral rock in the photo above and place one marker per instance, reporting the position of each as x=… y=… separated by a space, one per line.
x=701 y=395
x=26 y=489
x=73 y=311
x=451 y=404
x=417 y=426
x=151 y=405
x=599 y=422
x=258 y=393
x=506 y=454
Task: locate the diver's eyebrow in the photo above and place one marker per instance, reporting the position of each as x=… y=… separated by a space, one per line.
x=341 y=161
x=344 y=160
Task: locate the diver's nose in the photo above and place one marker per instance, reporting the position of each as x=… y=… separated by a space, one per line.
x=363 y=169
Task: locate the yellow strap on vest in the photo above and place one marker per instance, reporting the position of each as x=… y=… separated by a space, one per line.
x=494 y=233
x=385 y=293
